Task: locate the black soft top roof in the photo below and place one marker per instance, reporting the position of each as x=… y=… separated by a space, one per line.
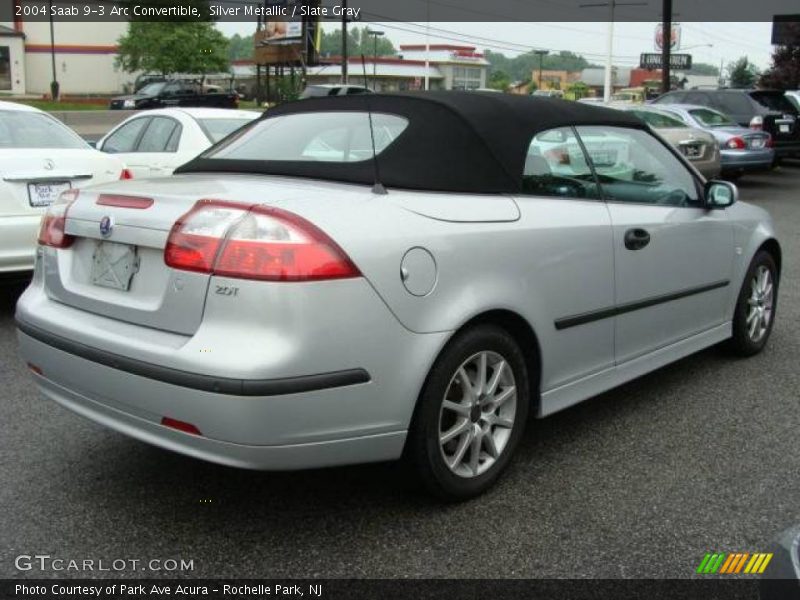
x=456 y=141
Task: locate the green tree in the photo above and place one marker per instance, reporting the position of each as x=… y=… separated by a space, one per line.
x=499 y=80
x=240 y=47
x=742 y=73
x=358 y=42
x=784 y=73
x=703 y=69
x=520 y=68
x=174 y=45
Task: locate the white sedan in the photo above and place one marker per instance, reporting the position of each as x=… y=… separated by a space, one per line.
x=40 y=157
x=154 y=143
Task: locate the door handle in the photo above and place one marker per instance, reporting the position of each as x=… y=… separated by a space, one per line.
x=636 y=239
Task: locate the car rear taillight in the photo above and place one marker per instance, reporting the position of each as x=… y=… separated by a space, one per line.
x=254 y=242
x=735 y=143
x=769 y=143
x=126 y=174
x=757 y=123
x=52 y=231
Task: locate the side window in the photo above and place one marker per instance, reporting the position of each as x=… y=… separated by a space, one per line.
x=124 y=138
x=633 y=166
x=171 y=89
x=157 y=136
x=696 y=98
x=734 y=103
x=556 y=166
x=175 y=139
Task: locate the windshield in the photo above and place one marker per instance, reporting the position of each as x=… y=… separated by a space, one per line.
x=711 y=118
x=152 y=89
x=341 y=137
x=35 y=130
x=216 y=129
x=658 y=120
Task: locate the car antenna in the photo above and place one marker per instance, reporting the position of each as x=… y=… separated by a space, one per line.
x=378 y=187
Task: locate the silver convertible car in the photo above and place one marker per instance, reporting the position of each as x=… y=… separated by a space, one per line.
x=366 y=278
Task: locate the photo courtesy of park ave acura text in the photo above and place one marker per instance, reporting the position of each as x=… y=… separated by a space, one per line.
x=359 y=299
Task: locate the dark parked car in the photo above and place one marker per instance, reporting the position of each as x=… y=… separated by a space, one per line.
x=163 y=94
x=760 y=110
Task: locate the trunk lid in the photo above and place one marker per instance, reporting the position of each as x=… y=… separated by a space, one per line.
x=30 y=180
x=118 y=270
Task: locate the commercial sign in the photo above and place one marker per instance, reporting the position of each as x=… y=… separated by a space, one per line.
x=656 y=61
x=675 y=39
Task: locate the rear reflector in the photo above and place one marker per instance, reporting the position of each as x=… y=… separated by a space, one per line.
x=254 y=242
x=35 y=369
x=124 y=201
x=180 y=426
x=126 y=174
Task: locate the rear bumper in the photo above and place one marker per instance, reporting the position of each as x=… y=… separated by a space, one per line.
x=750 y=160
x=18 y=242
x=331 y=392
x=787 y=149
x=379 y=447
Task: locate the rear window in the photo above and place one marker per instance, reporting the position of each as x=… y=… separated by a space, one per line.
x=658 y=120
x=216 y=129
x=734 y=103
x=35 y=130
x=711 y=118
x=772 y=101
x=316 y=91
x=339 y=137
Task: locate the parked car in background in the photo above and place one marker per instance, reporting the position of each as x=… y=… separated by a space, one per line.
x=269 y=306
x=742 y=149
x=40 y=158
x=698 y=146
x=548 y=93
x=162 y=94
x=759 y=110
x=636 y=95
x=794 y=98
x=155 y=142
x=318 y=91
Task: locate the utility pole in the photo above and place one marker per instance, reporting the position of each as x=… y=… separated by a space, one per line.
x=611 y=4
x=344 y=42
x=666 y=47
x=375 y=35
x=541 y=54
x=55 y=92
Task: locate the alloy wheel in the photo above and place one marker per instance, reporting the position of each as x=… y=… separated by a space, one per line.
x=760 y=304
x=477 y=414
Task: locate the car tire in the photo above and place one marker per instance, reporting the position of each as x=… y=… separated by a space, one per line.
x=464 y=432
x=754 y=315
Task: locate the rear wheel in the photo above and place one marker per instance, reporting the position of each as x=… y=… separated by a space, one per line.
x=471 y=413
x=755 y=308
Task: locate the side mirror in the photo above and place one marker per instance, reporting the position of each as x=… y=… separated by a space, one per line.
x=720 y=194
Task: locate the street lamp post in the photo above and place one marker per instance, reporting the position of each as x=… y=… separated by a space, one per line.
x=541 y=54
x=54 y=86
x=375 y=35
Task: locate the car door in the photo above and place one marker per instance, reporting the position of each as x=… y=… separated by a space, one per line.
x=123 y=143
x=673 y=258
x=569 y=265
x=157 y=147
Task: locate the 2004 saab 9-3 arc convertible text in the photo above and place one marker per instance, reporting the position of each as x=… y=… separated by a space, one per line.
x=267 y=307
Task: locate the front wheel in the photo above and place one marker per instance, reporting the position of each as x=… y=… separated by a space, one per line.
x=471 y=413
x=755 y=307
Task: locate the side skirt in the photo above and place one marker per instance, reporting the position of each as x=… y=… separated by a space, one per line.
x=572 y=393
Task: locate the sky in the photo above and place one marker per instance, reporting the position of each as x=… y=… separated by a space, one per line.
x=730 y=40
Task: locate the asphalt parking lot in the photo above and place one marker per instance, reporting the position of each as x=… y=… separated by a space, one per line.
x=639 y=482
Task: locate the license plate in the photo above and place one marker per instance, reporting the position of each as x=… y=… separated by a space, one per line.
x=759 y=143
x=44 y=194
x=785 y=128
x=692 y=151
x=114 y=265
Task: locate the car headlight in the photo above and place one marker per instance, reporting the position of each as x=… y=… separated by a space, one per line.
x=129 y=104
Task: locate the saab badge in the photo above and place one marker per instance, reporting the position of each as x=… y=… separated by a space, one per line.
x=106 y=226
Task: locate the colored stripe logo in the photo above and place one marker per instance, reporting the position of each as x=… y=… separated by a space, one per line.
x=734 y=563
